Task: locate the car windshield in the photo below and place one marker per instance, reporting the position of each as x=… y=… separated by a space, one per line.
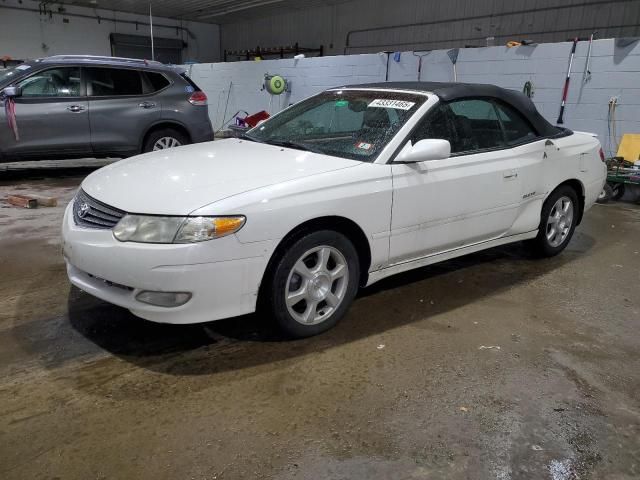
x=7 y=75
x=353 y=124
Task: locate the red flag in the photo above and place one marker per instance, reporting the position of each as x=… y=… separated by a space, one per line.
x=10 y=111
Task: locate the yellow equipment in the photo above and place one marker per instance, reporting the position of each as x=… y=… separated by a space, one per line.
x=629 y=148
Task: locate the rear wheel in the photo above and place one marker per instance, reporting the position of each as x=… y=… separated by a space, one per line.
x=557 y=222
x=313 y=283
x=163 y=139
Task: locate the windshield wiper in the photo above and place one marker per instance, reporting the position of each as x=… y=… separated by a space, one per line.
x=294 y=144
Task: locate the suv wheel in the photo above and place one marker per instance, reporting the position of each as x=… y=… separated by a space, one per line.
x=313 y=283
x=163 y=139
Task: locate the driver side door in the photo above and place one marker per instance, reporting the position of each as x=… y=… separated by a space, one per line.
x=471 y=197
x=52 y=115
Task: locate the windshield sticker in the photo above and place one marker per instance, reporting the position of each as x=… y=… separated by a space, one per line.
x=342 y=103
x=23 y=67
x=397 y=104
x=364 y=146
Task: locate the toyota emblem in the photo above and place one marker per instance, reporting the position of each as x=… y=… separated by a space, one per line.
x=83 y=210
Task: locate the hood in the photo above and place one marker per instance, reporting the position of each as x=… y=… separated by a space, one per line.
x=181 y=180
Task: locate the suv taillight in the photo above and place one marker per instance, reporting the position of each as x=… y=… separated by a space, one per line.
x=198 y=98
x=602 y=155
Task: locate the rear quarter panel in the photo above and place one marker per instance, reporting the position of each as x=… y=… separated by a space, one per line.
x=176 y=108
x=576 y=157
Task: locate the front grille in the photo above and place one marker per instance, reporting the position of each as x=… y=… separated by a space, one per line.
x=90 y=213
x=111 y=284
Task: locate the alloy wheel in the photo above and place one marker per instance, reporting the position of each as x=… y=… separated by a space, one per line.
x=560 y=221
x=166 y=142
x=317 y=285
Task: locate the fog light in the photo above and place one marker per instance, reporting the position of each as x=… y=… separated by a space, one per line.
x=164 y=299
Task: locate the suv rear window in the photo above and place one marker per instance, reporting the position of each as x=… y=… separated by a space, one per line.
x=106 y=82
x=196 y=88
x=157 y=81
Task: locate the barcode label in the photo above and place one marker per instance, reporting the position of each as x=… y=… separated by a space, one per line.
x=397 y=104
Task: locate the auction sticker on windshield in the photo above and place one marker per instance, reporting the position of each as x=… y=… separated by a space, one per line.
x=397 y=104
x=364 y=145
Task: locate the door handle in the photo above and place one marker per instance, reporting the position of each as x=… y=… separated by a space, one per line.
x=146 y=105
x=75 y=108
x=511 y=174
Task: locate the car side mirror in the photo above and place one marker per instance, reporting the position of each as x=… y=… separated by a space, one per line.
x=423 y=150
x=12 y=91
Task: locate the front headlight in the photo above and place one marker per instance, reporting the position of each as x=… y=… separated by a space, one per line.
x=152 y=229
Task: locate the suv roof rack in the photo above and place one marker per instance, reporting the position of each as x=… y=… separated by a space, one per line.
x=98 y=58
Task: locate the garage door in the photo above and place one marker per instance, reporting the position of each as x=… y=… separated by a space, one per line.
x=167 y=50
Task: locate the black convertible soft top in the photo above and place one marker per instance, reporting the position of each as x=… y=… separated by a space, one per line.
x=448 y=91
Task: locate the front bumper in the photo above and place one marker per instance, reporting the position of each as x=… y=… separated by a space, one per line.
x=223 y=275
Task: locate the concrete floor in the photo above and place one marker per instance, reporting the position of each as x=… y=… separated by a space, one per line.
x=493 y=366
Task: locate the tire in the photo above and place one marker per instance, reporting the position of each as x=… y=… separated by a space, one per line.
x=320 y=292
x=555 y=235
x=617 y=191
x=605 y=194
x=164 y=138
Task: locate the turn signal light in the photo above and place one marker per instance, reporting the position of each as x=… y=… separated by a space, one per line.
x=226 y=225
x=602 y=155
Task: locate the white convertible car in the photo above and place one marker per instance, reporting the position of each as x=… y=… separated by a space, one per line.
x=336 y=192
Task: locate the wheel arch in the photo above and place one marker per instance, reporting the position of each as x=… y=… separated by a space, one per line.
x=578 y=187
x=160 y=124
x=343 y=225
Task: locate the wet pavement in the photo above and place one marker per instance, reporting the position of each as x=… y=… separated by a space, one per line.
x=492 y=366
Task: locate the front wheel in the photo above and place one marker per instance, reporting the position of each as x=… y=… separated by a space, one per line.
x=557 y=222
x=314 y=283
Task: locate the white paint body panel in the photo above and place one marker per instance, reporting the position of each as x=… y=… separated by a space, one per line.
x=430 y=208
x=411 y=214
x=184 y=179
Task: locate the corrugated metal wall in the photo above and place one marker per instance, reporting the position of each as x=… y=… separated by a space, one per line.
x=361 y=26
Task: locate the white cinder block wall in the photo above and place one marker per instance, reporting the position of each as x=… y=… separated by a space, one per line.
x=615 y=72
x=241 y=82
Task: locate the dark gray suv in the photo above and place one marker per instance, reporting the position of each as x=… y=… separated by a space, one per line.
x=78 y=106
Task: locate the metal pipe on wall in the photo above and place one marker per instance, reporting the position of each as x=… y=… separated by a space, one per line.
x=527 y=11
x=467 y=39
x=153 y=52
x=99 y=19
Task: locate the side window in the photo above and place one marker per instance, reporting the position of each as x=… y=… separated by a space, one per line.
x=55 y=82
x=107 y=82
x=437 y=124
x=516 y=128
x=477 y=125
x=157 y=81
